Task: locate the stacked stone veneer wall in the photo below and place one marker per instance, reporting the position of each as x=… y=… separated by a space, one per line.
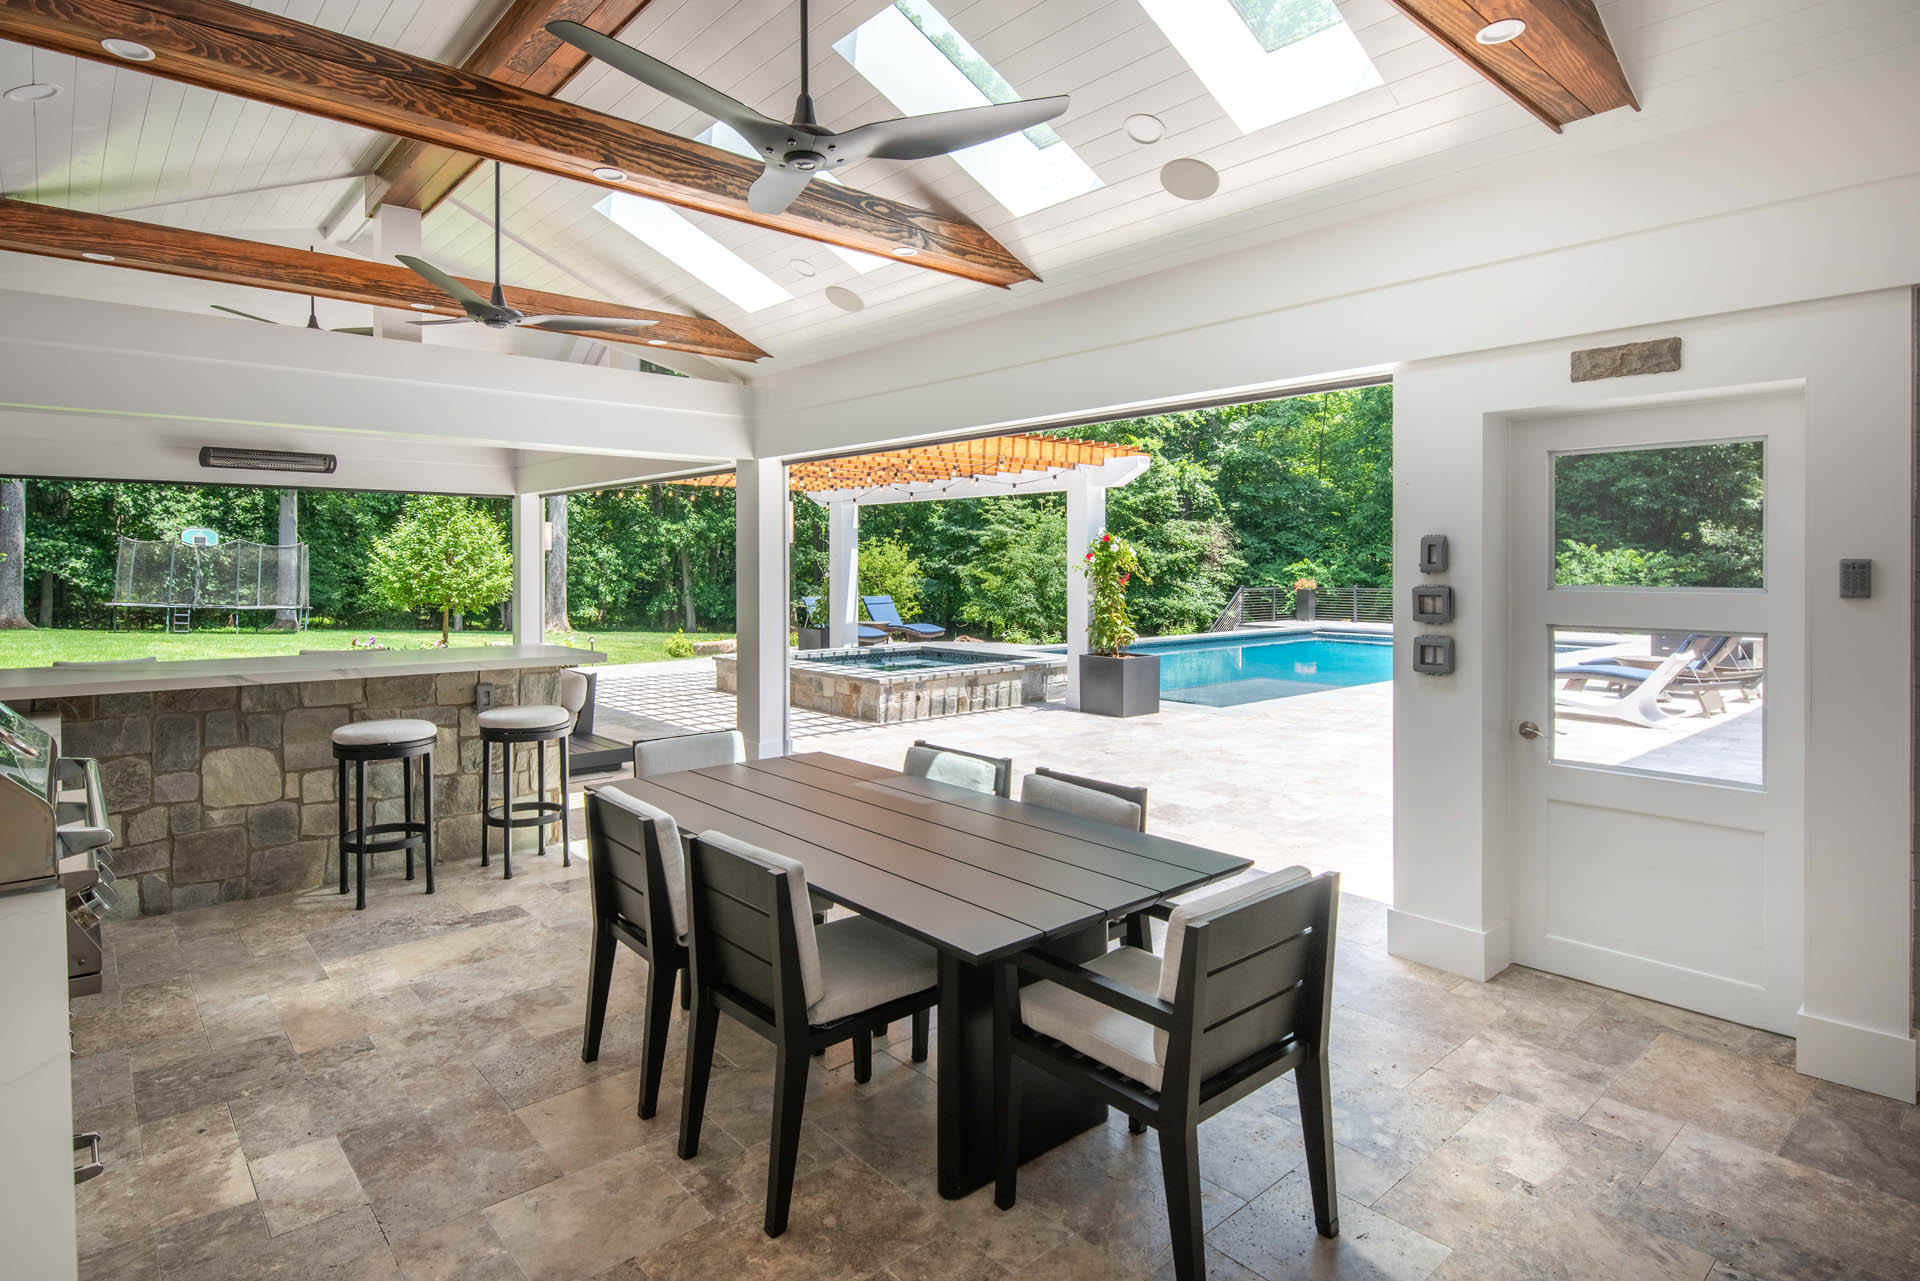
x=228 y=792
x=888 y=698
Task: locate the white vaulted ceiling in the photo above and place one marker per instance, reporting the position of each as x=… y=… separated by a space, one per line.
x=117 y=141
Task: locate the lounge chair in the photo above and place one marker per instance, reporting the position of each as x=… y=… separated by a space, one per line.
x=866 y=635
x=883 y=611
x=1639 y=705
x=1715 y=666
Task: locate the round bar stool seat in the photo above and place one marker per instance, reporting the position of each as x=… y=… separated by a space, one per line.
x=359 y=744
x=539 y=724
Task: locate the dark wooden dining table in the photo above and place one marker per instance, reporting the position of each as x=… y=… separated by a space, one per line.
x=977 y=877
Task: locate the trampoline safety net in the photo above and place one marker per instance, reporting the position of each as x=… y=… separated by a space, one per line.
x=238 y=575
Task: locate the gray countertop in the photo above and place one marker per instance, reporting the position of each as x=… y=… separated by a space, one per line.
x=22 y=684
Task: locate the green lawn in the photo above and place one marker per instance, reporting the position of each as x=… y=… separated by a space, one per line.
x=40 y=647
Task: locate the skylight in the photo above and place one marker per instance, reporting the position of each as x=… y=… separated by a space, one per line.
x=1265 y=61
x=724 y=136
x=914 y=57
x=680 y=242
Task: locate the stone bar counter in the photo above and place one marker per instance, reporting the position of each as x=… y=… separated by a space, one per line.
x=219 y=773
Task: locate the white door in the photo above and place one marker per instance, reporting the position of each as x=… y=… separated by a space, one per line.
x=1657 y=698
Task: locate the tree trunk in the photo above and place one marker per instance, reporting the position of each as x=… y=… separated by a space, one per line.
x=444 y=615
x=13 y=554
x=288 y=620
x=556 y=607
x=46 y=600
x=686 y=587
x=459 y=622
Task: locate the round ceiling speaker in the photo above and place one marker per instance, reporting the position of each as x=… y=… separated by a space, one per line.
x=1500 y=32
x=31 y=93
x=845 y=299
x=801 y=267
x=1189 y=179
x=1143 y=128
x=131 y=50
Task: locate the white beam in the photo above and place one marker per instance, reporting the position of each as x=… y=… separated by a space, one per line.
x=529 y=569
x=760 y=594
x=396 y=230
x=1086 y=517
x=843 y=573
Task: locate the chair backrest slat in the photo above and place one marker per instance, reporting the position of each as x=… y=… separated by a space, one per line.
x=1244 y=983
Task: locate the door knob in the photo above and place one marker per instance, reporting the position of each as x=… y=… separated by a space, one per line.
x=1529 y=730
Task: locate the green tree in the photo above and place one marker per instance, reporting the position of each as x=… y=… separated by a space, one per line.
x=1015 y=578
x=445 y=554
x=887 y=566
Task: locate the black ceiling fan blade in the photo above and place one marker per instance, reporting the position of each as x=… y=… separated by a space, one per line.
x=585 y=324
x=365 y=331
x=943 y=132
x=459 y=320
x=762 y=131
x=440 y=280
x=775 y=189
x=244 y=315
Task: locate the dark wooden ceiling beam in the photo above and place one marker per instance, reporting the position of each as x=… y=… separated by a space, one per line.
x=230 y=48
x=518 y=51
x=51 y=232
x=1562 y=69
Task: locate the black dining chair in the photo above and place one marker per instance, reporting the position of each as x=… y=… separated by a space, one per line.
x=1115 y=804
x=959 y=767
x=636 y=875
x=1242 y=996
x=758 y=956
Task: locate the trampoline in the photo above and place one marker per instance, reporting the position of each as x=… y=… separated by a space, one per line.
x=233 y=578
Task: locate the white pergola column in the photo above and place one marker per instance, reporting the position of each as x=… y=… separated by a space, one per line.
x=396 y=231
x=843 y=572
x=760 y=596
x=1086 y=517
x=529 y=569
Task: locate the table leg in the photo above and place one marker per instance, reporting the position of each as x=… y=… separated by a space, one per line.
x=1051 y=1111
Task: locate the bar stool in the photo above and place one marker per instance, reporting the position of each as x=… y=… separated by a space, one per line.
x=358 y=744
x=538 y=724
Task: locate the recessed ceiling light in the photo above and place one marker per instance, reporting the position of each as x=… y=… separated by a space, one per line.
x=32 y=93
x=607 y=173
x=1500 y=32
x=658 y=342
x=1143 y=128
x=1189 y=179
x=131 y=50
x=801 y=267
x=96 y=257
x=845 y=299
x=421 y=306
x=905 y=251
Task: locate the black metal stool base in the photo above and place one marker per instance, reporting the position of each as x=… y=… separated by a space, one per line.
x=510 y=814
x=364 y=838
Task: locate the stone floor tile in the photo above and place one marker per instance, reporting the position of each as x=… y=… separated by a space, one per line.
x=1742 y=1098
x=1387 y=1052
x=190 y=1166
x=585 y=1126
x=1649 y=1129
x=1077 y=1260
x=149 y=1258
x=216 y=1076
x=594 y=1218
x=1533 y=1073
x=236 y=1022
x=1452 y=1016
x=1794 y=1209
x=305 y=1184
x=100 y=1080
x=946 y=1261
x=461 y=1250
x=1859 y=1138
x=346 y=1247
x=460 y=1157
x=133 y=1016
x=1274 y=1235
x=1395 y=1127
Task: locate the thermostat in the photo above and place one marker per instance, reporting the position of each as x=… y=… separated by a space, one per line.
x=1433 y=604
x=1433 y=655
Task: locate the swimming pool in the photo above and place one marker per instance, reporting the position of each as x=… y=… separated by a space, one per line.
x=1239 y=668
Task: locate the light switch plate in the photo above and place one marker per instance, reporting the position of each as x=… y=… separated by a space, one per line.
x=482 y=697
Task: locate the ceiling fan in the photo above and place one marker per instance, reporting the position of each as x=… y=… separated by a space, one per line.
x=313 y=320
x=493 y=312
x=795 y=152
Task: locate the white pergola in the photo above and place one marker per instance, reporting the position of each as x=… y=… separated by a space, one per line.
x=988 y=467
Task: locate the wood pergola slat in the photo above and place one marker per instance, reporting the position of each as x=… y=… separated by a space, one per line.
x=980 y=459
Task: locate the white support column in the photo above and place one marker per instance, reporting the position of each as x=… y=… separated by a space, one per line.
x=843 y=572
x=396 y=231
x=529 y=568
x=760 y=596
x=1086 y=517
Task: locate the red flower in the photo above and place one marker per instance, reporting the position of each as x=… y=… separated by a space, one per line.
x=1124 y=579
x=1089 y=555
x=1106 y=538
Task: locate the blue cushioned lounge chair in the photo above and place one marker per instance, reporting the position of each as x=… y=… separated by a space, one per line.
x=883 y=611
x=867 y=635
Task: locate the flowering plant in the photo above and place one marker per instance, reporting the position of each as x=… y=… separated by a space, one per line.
x=1111 y=564
x=1306 y=585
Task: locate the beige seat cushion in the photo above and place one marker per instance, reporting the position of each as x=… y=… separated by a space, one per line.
x=1086 y=802
x=535 y=716
x=673 y=857
x=1100 y=1032
x=383 y=733
x=943 y=766
x=866 y=964
x=657 y=756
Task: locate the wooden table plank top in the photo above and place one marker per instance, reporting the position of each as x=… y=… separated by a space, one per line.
x=976 y=876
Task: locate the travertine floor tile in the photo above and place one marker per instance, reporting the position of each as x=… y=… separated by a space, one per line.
x=594 y=1218
x=305 y=1184
x=190 y=1165
x=1275 y=1236
x=1742 y=1098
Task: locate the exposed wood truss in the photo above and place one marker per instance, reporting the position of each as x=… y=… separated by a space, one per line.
x=228 y=47
x=517 y=51
x=988 y=458
x=68 y=233
x=1561 y=69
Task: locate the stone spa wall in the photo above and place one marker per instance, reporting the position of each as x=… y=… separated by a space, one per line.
x=228 y=792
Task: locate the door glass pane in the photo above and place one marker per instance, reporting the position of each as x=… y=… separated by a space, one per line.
x=1687 y=704
x=1680 y=516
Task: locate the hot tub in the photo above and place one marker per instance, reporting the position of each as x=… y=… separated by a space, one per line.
x=888 y=684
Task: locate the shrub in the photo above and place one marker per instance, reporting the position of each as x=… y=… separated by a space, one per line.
x=678 y=646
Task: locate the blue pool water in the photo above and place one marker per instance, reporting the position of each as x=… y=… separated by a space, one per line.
x=1236 y=669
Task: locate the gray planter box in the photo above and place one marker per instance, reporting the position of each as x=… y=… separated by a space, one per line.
x=1306 y=605
x=813 y=638
x=1124 y=686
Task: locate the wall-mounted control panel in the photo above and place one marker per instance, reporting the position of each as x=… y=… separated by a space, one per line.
x=1433 y=604
x=1433 y=554
x=1856 y=579
x=1433 y=655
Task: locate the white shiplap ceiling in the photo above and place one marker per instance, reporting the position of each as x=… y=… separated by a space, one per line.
x=117 y=141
